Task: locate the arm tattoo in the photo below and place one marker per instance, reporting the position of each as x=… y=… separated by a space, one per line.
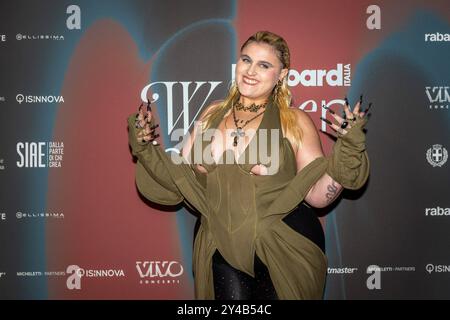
x=331 y=191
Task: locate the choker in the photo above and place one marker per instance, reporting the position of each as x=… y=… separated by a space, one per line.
x=252 y=108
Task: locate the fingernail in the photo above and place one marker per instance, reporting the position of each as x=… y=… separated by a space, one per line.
x=156 y=136
x=360 y=99
x=346 y=101
x=327 y=121
x=370 y=105
x=327 y=108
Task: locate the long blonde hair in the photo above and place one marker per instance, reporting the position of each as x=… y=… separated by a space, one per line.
x=281 y=93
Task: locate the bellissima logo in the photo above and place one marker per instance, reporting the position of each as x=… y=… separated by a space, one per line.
x=437 y=37
x=40 y=154
x=39 y=37
x=76 y=274
x=439 y=97
x=437 y=212
x=20 y=98
x=159 y=272
x=39 y=215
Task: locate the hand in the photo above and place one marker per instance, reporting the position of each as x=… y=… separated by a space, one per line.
x=351 y=117
x=143 y=122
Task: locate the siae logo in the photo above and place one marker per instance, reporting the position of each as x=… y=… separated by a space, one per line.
x=74 y=20
x=374 y=280
x=374 y=20
x=33 y=154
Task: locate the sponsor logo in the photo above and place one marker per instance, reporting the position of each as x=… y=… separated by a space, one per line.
x=391 y=268
x=40 y=154
x=40 y=273
x=46 y=215
x=373 y=22
x=438 y=211
x=341 y=76
x=343 y=270
x=20 y=98
x=73 y=21
x=437 y=155
x=76 y=274
x=439 y=97
x=159 y=272
x=373 y=282
x=437 y=268
x=36 y=37
x=437 y=37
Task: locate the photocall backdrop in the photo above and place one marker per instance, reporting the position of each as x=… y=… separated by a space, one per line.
x=72 y=223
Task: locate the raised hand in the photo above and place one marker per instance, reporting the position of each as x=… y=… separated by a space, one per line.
x=143 y=122
x=351 y=117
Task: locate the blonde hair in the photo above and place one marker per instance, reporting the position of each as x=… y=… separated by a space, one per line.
x=281 y=93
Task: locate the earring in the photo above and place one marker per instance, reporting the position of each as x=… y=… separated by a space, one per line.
x=277 y=87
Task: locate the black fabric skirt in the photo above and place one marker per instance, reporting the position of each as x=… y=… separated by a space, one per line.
x=233 y=284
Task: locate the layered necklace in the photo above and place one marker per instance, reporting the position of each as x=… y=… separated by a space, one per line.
x=240 y=124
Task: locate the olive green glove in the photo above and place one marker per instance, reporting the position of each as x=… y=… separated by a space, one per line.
x=349 y=163
x=152 y=178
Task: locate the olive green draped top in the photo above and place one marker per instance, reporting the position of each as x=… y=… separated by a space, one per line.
x=241 y=213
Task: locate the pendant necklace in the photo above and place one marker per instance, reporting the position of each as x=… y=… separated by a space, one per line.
x=239 y=131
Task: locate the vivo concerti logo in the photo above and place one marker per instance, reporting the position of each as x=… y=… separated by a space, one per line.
x=159 y=272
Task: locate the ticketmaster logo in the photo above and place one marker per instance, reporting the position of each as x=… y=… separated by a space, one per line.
x=343 y=270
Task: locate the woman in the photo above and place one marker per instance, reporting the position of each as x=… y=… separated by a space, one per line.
x=258 y=238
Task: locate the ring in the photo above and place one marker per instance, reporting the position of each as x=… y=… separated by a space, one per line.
x=344 y=124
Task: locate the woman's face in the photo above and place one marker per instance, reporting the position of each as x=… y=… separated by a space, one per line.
x=258 y=70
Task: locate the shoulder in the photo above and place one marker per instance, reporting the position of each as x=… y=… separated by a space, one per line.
x=304 y=121
x=310 y=147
